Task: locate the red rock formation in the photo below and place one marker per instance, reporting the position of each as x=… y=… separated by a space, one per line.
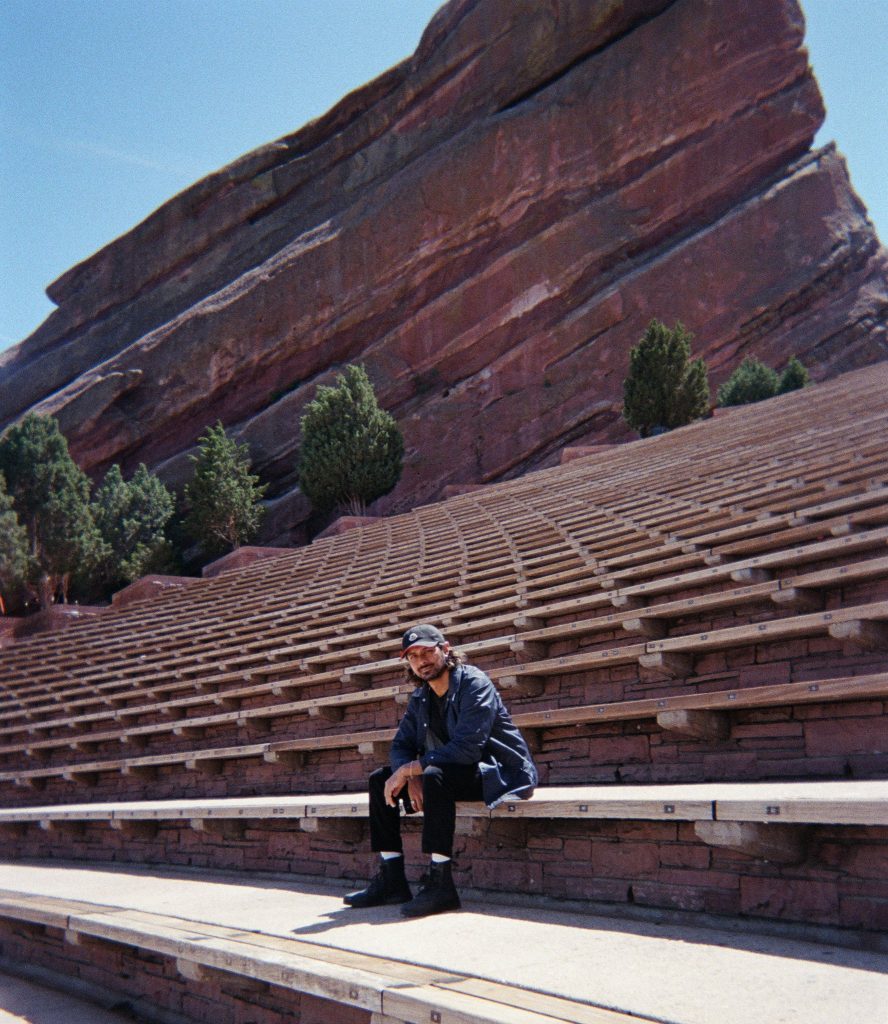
x=488 y=227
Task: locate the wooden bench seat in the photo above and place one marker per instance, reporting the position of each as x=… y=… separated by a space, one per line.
x=835 y=526
x=854 y=501
x=863 y=624
x=863 y=802
x=702 y=714
x=747 y=568
x=330 y=707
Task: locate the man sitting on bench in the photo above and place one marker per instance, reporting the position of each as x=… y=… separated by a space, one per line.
x=456 y=741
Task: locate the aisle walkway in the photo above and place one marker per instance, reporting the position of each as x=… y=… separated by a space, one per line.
x=24 y=1002
x=659 y=971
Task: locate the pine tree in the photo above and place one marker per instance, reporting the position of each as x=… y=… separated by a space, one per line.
x=352 y=450
x=752 y=381
x=793 y=378
x=131 y=517
x=664 y=388
x=51 y=496
x=223 y=496
x=13 y=546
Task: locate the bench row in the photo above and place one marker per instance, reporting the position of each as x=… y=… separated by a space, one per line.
x=392 y=991
x=771 y=539
x=837 y=802
x=864 y=625
x=255 y=663
x=700 y=715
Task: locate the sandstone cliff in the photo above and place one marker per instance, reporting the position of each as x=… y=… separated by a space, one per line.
x=488 y=227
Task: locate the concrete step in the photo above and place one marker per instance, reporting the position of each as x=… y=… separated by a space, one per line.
x=550 y=964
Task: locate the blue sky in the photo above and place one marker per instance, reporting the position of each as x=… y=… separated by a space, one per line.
x=110 y=107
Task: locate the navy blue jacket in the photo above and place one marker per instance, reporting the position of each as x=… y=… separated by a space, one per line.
x=481 y=732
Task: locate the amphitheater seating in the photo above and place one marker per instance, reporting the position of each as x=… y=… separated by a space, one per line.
x=691 y=630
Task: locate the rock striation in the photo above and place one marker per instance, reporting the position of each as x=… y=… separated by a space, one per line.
x=488 y=227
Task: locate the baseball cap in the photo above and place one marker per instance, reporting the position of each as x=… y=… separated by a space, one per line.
x=423 y=635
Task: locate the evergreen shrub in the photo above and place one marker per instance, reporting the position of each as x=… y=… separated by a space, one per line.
x=664 y=388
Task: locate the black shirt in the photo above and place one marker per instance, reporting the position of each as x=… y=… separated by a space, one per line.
x=438 y=734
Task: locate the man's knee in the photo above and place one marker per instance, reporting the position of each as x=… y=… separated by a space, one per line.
x=434 y=783
x=378 y=779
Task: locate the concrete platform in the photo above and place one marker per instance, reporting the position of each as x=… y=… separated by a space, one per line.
x=653 y=970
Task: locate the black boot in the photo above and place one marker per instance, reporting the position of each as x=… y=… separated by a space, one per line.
x=437 y=893
x=389 y=885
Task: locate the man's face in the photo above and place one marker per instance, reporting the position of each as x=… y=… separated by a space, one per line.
x=427 y=662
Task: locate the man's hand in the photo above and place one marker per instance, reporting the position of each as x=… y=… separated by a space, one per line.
x=400 y=778
x=414 y=791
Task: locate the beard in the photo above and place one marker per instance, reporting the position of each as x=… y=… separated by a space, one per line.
x=428 y=671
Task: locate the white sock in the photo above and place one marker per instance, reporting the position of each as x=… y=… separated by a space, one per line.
x=389 y=855
x=439 y=858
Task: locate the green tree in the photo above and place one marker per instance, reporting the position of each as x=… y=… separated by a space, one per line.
x=13 y=545
x=752 y=381
x=223 y=497
x=51 y=496
x=793 y=378
x=352 y=450
x=664 y=387
x=131 y=517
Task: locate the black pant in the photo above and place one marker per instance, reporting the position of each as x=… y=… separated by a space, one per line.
x=442 y=786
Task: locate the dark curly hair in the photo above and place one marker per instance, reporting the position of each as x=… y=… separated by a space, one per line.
x=451 y=659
